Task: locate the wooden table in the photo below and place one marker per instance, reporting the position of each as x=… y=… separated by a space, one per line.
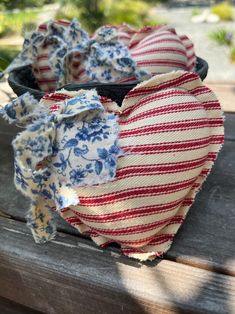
x=73 y=275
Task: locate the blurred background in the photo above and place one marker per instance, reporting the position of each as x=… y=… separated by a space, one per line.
x=209 y=23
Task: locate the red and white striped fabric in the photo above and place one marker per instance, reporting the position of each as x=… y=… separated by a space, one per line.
x=155 y=49
x=41 y=67
x=159 y=49
x=171 y=130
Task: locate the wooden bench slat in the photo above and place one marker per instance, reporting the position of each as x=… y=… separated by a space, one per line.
x=207 y=237
x=71 y=275
x=9 y=307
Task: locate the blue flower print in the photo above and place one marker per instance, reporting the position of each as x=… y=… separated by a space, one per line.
x=9 y=111
x=62 y=165
x=107 y=75
x=109 y=157
x=81 y=151
x=20 y=179
x=65 y=153
x=77 y=175
x=36 y=146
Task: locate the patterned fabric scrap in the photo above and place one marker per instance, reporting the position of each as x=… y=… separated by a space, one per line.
x=103 y=58
x=61 y=52
x=135 y=191
x=70 y=144
x=158 y=49
x=45 y=50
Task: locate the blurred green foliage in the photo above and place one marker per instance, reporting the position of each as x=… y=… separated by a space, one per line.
x=232 y=54
x=224 y=10
x=19 y=22
x=222 y=36
x=94 y=13
x=7 y=54
x=196 y=11
x=133 y=12
x=20 y=4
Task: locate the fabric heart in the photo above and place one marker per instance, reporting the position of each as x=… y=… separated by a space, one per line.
x=159 y=49
x=170 y=129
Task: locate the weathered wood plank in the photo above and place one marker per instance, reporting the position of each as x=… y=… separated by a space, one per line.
x=9 y=307
x=207 y=237
x=71 y=275
x=229 y=124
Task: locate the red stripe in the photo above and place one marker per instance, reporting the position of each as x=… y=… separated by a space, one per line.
x=140 y=228
x=74 y=221
x=42 y=27
x=160 y=239
x=130 y=213
x=76 y=64
x=44 y=69
x=156 y=50
x=155 y=43
x=154 y=38
x=168 y=127
x=167 y=109
x=184 y=78
x=56 y=97
x=162 y=62
x=137 y=192
x=159 y=169
x=169 y=147
x=158 y=95
x=133 y=212
x=63 y=22
x=153 y=240
x=44 y=81
x=42 y=56
x=211 y=105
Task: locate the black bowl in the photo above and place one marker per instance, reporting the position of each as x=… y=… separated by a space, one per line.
x=22 y=80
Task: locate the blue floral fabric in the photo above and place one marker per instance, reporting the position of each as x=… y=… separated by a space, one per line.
x=60 y=39
x=74 y=146
x=103 y=57
x=20 y=109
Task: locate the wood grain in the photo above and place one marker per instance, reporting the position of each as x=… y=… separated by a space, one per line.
x=9 y=307
x=207 y=237
x=71 y=275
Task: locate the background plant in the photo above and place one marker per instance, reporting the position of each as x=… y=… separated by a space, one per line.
x=224 y=10
x=7 y=54
x=94 y=13
x=196 y=11
x=21 y=4
x=222 y=36
x=18 y=22
x=232 y=54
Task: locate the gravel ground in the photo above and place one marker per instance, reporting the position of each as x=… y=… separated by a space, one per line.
x=220 y=67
